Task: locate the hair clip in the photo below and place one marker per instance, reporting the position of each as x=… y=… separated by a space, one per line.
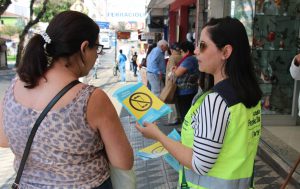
x=46 y=37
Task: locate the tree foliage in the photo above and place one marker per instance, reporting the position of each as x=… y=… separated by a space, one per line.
x=11 y=30
x=33 y=19
x=53 y=8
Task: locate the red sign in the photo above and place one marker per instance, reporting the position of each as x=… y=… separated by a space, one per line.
x=123 y=35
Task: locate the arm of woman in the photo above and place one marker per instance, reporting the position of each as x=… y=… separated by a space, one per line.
x=102 y=116
x=182 y=153
x=3 y=138
x=180 y=71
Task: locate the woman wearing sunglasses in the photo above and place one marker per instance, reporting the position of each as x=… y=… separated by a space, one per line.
x=187 y=73
x=221 y=131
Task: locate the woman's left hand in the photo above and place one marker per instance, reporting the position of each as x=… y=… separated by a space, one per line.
x=150 y=130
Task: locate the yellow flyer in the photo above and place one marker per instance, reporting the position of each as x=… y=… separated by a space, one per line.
x=141 y=103
x=153 y=151
x=156 y=150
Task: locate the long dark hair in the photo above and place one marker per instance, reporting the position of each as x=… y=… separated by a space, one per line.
x=67 y=31
x=187 y=46
x=239 y=67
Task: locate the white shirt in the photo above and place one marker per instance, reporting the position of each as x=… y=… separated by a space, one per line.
x=295 y=73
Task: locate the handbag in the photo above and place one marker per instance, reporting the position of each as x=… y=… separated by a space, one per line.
x=122 y=179
x=168 y=92
x=15 y=185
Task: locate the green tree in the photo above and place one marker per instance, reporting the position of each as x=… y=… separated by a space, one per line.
x=53 y=8
x=33 y=19
x=10 y=30
x=3 y=6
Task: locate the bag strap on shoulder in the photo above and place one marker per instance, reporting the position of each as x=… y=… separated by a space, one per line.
x=15 y=185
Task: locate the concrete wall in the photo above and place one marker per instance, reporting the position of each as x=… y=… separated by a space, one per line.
x=215 y=8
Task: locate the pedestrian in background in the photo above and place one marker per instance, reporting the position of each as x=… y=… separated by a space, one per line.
x=82 y=133
x=156 y=67
x=121 y=63
x=188 y=75
x=143 y=66
x=295 y=73
x=221 y=131
x=175 y=57
x=130 y=55
x=134 y=63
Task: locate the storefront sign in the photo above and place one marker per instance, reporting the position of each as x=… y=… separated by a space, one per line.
x=148 y=35
x=103 y=25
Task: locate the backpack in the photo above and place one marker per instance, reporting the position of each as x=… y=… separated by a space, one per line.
x=134 y=57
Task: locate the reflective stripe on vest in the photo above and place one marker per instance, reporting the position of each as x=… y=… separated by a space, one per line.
x=216 y=183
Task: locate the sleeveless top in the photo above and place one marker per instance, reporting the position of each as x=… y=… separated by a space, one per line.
x=65 y=153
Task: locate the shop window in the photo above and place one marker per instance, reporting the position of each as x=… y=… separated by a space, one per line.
x=273 y=30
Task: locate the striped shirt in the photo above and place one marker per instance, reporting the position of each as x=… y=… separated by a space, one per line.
x=209 y=122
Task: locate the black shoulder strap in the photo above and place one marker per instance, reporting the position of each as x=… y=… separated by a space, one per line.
x=35 y=127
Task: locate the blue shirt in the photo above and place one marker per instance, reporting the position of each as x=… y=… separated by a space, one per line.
x=188 y=82
x=156 y=61
x=122 y=58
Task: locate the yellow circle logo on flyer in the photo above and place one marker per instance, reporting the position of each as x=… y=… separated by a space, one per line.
x=140 y=101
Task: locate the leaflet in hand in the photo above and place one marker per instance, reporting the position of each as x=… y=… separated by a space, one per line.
x=140 y=102
x=156 y=150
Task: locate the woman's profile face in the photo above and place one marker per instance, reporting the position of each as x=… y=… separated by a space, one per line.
x=208 y=55
x=91 y=55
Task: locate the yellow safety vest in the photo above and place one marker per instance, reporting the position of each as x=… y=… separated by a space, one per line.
x=234 y=166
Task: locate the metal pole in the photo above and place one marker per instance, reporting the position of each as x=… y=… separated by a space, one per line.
x=290 y=174
x=116 y=38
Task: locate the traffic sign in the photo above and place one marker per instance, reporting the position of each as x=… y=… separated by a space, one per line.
x=103 y=25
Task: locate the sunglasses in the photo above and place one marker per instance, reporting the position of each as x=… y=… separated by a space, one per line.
x=202 y=46
x=99 y=48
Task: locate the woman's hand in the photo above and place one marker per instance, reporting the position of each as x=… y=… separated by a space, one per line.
x=174 y=68
x=150 y=130
x=182 y=153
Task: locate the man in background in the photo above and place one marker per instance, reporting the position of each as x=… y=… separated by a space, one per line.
x=156 y=67
x=121 y=61
x=134 y=63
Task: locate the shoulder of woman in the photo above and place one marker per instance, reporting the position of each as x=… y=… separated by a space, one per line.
x=98 y=97
x=215 y=97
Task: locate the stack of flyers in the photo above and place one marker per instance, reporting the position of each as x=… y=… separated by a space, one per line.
x=157 y=150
